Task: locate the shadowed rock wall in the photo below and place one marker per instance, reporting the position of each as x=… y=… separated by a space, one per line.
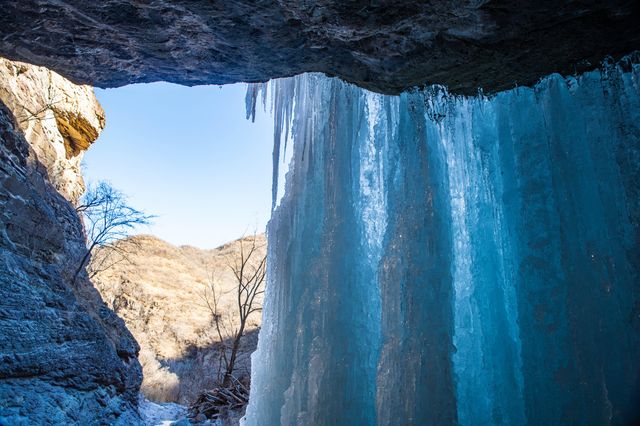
x=65 y=358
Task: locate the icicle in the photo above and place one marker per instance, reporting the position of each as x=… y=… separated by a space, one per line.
x=282 y=104
x=263 y=89
x=283 y=100
x=278 y=99
x=251 y=99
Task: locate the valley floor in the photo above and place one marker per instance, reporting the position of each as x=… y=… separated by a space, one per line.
x=161 y=414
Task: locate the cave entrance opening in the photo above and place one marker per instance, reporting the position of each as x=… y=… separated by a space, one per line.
x=188 y=156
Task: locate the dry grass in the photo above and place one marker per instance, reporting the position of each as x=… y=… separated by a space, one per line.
x=158 y=292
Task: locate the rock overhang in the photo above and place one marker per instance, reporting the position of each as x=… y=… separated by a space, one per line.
x=380 y=45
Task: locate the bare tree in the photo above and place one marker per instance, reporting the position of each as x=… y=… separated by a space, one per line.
x=249 y=270
x=108 y=219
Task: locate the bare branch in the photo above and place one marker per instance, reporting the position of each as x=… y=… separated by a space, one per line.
x=249 y=272
x=107 y=218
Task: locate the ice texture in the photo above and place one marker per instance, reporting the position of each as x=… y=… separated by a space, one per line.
x=441 y=260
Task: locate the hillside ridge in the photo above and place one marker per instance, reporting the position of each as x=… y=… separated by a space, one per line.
x=159 y=291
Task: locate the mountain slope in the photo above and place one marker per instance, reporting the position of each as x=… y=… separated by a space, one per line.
x=160 y=291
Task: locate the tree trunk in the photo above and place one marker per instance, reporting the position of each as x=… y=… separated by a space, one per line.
x=232 y=359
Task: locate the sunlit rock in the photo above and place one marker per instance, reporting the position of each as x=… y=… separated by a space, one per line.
x=59 y=119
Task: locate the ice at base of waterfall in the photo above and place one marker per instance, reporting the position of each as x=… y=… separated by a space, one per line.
x=160 y=414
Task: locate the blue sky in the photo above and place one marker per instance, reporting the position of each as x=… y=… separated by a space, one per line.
x=189 y=156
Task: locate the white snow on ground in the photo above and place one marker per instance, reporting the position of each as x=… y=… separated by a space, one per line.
x=160 y=414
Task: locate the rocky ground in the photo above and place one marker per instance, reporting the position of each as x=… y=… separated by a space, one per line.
x=160 y=414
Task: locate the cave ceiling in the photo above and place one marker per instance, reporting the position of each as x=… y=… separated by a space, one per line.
x=380 y=45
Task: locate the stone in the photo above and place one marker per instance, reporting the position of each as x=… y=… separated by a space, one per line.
x=65 y=357
x=381 y=45
x=59 y=119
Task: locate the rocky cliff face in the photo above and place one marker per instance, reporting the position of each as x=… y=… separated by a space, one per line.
x=159 y=293
x=65 y=358
x=382 y=45
x=59 y=120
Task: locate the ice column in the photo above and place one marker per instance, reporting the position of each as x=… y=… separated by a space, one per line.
x=441 y=260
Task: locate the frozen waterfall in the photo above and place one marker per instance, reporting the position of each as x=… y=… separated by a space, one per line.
x=440 y=260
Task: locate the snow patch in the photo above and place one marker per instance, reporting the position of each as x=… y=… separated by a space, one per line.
x=160 y=414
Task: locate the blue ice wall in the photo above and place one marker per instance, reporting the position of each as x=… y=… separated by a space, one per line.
x=439 y=260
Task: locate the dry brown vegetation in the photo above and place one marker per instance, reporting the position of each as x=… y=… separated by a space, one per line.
x=159 y=292
x=249 y=268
